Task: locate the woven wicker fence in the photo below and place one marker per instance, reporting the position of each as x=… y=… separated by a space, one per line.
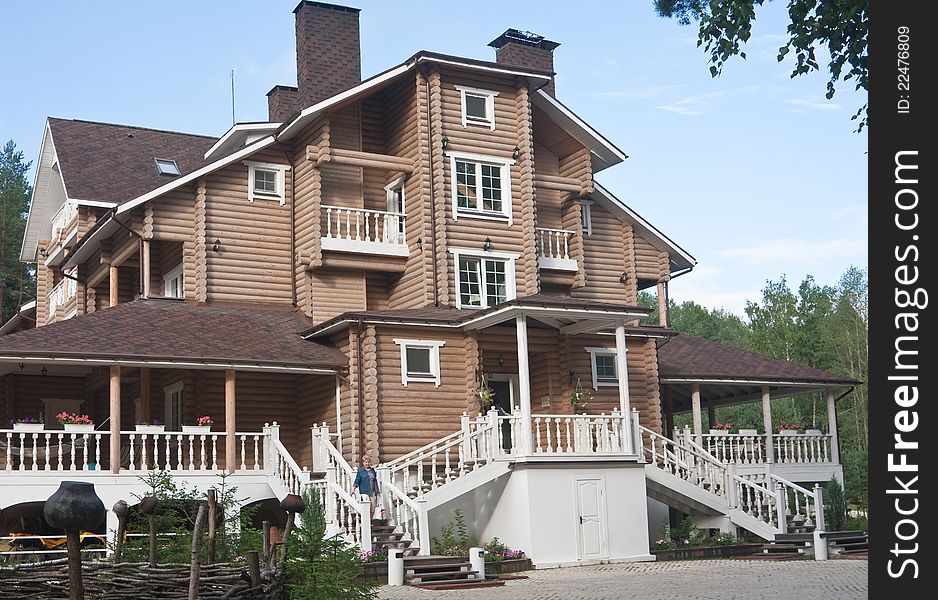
x=136 y=581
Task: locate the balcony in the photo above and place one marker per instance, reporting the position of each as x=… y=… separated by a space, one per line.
x=64 y=232
x=809 y=455
x=61 y=295
x=553 y=249
x=363 y=231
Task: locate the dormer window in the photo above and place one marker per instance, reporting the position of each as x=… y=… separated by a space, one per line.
x=266 y=181
x=166 y=166
x=478 y=107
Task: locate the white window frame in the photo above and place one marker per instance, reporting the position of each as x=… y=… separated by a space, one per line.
x=594 y=352
x=489 y=97
x=434 y=347
x=508 y=257
x=504 y=166
x=167 y=166
x=173 y=274
x=169 y=397
x=389 y=189
x=586 y=217
x=280 y=170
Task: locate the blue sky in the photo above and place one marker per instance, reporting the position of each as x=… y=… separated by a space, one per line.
x=755 y=174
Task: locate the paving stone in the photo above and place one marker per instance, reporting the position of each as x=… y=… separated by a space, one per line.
x=694 y=580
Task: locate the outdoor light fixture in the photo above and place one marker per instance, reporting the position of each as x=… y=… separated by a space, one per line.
x=44 y=371
x=419 y=243
x=445 y=141
x=517 y=153
x=22 y=366
x=487 y=244
x=572 y=376
x=624 y=278
x=216 y=245
x=500 y=359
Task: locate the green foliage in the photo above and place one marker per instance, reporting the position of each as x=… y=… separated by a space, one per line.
x=687 y=535
x=321 y=568
x=496 y=551
x=454 y=539
x=857 y=524
x=17 y=283
x=842 y=28
x=724 y=539
x=175 y=516
x=835 y=506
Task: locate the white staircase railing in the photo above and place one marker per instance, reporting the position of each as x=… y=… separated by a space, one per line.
x=736 y=448
x=286 y=471
x=349 y=515
x=685 y=459
x=759 y=502
x=802 y=448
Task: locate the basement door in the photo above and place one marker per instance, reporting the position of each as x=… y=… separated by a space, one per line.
x=591 y=518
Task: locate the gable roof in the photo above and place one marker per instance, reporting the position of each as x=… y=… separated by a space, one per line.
x=689 y=358
x=169 y=332
x=109 y=163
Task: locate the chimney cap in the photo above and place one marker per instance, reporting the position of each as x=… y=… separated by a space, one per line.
x=523 y=37
x=325 y=5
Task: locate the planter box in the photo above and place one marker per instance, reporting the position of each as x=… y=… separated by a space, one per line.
x=31 y=427
x=706 y=552
x=149 y=428
x=788 y=432
x=748 y=432
x=199 y=429
x=813 y=432
x=79 y=427
x=719 y=432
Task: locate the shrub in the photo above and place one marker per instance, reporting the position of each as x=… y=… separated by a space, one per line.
x=835 y=506
x=496 y=551
x=857 y=524
x=454 y=539
x=724 y=539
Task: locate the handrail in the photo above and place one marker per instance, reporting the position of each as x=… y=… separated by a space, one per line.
x=406 y=457
x=792 y=485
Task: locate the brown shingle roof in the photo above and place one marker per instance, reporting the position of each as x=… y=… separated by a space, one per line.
x=690 y=357
x=115 y=163
x=163 y=329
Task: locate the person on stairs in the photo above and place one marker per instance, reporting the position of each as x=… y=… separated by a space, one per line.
x=366 y=482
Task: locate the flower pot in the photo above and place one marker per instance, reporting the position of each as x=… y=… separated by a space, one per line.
x=718 y=432
x=813 y=432
x=748 y=432
x=31 y=427
x=150 y=428
x=199 y=429
x=79 y=427
x=788 y=432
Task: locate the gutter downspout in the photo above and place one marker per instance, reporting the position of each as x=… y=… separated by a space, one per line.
x=433 y=258
x=293 y=256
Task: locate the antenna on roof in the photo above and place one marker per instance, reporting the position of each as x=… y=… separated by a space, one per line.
x=232 y=98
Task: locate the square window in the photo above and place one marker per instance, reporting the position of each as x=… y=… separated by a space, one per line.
x=483 y=282
x=265 y=182
x=604 y=367
x=420 y=361
x=476 y=107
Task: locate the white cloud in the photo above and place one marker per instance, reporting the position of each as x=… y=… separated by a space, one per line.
x=811 y=103
x=709 y=287
x=646 y=93
x=791 y=250
x=691 y=105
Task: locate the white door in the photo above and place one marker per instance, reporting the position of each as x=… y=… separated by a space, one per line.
x=591 y=519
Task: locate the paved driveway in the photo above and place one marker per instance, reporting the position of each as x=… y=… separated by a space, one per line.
x=687 y=580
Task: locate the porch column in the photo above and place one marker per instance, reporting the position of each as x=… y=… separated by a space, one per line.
x=711 y=416
x=695 y=407
x=230 y=441
x=767 y=424
x=622 y=370
x=112 y=280
x=663 y=303
x=145 y=267
x=524 y=383
x=144 y=416
x=832 y=427
x=114 y=415
x=668 y=411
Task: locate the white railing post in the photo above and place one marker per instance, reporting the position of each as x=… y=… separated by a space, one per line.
x=320 y=454
x=820 y=528
x=494 y=448
x=269 y=464
x=384 y=476
x=423 y=523
x=464 y=444
x=636 y=434
x=732 y=495
x=781 y=506
x=366 y=541
x=330 y=494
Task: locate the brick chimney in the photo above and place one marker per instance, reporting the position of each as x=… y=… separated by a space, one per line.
x=525 y=49
x=328 y=58
x=328 y=50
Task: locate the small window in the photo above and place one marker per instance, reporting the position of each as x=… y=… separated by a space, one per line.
x=480 y=189
x=173 y=406
x=586 y=217
x=266 y=181
x=173 y=283
x=604 y=367
x=478 y=107
x=395 y=192
x=484 y=281
x=167 y=167
x=420 y=361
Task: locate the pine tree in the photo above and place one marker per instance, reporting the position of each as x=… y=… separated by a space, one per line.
x=17 y=285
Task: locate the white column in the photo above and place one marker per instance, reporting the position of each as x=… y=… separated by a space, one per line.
x=230 y=437
x=832 y=427
x=767 y=424
x=622 y=370
x=145 y=267
x=115 y=418
x=524 y=383
x=695 y=406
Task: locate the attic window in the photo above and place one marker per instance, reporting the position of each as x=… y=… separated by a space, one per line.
x=167 y=167
x=478 y=107
x=266 y=181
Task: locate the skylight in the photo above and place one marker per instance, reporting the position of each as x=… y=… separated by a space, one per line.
x=167 y=167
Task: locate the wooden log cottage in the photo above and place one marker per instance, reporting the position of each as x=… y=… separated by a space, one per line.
x=420 y=268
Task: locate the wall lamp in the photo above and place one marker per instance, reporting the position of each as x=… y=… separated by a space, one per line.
x=487 y=244
x=624 y=278
x=517 y=153
x=216 y=245
x=500 y=359
x=44 y=371
x=419 y=243
x=445 y=142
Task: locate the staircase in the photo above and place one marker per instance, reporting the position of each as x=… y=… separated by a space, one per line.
x=683 y=475
x=385 y=536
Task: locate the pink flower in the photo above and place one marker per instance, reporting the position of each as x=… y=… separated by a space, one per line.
x=203 y=421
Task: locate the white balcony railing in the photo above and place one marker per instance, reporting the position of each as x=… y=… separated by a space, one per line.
x=62 y=219
x=553 y=249
x=743 y=449
x=64 y=291
x=363 y=231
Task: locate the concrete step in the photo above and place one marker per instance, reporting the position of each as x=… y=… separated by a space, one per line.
x=468 y=584
x=440 y=576
x=427 y=566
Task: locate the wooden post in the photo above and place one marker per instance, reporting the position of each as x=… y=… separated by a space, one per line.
x=144 y=395
x=832 y=427
x=145 y=267
x=662 y=304
x=230 y=441
x=622 y=370
x=767 y=424
x=115 y=418
x=254 y=568
x=524 y=383
x=152 y=522
x=112 y=279
x=265 y=528
x=286 y=535
x=73 y=546
x=195 y=566
x=121 y=510
x=695 y=407
x=212 y=515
